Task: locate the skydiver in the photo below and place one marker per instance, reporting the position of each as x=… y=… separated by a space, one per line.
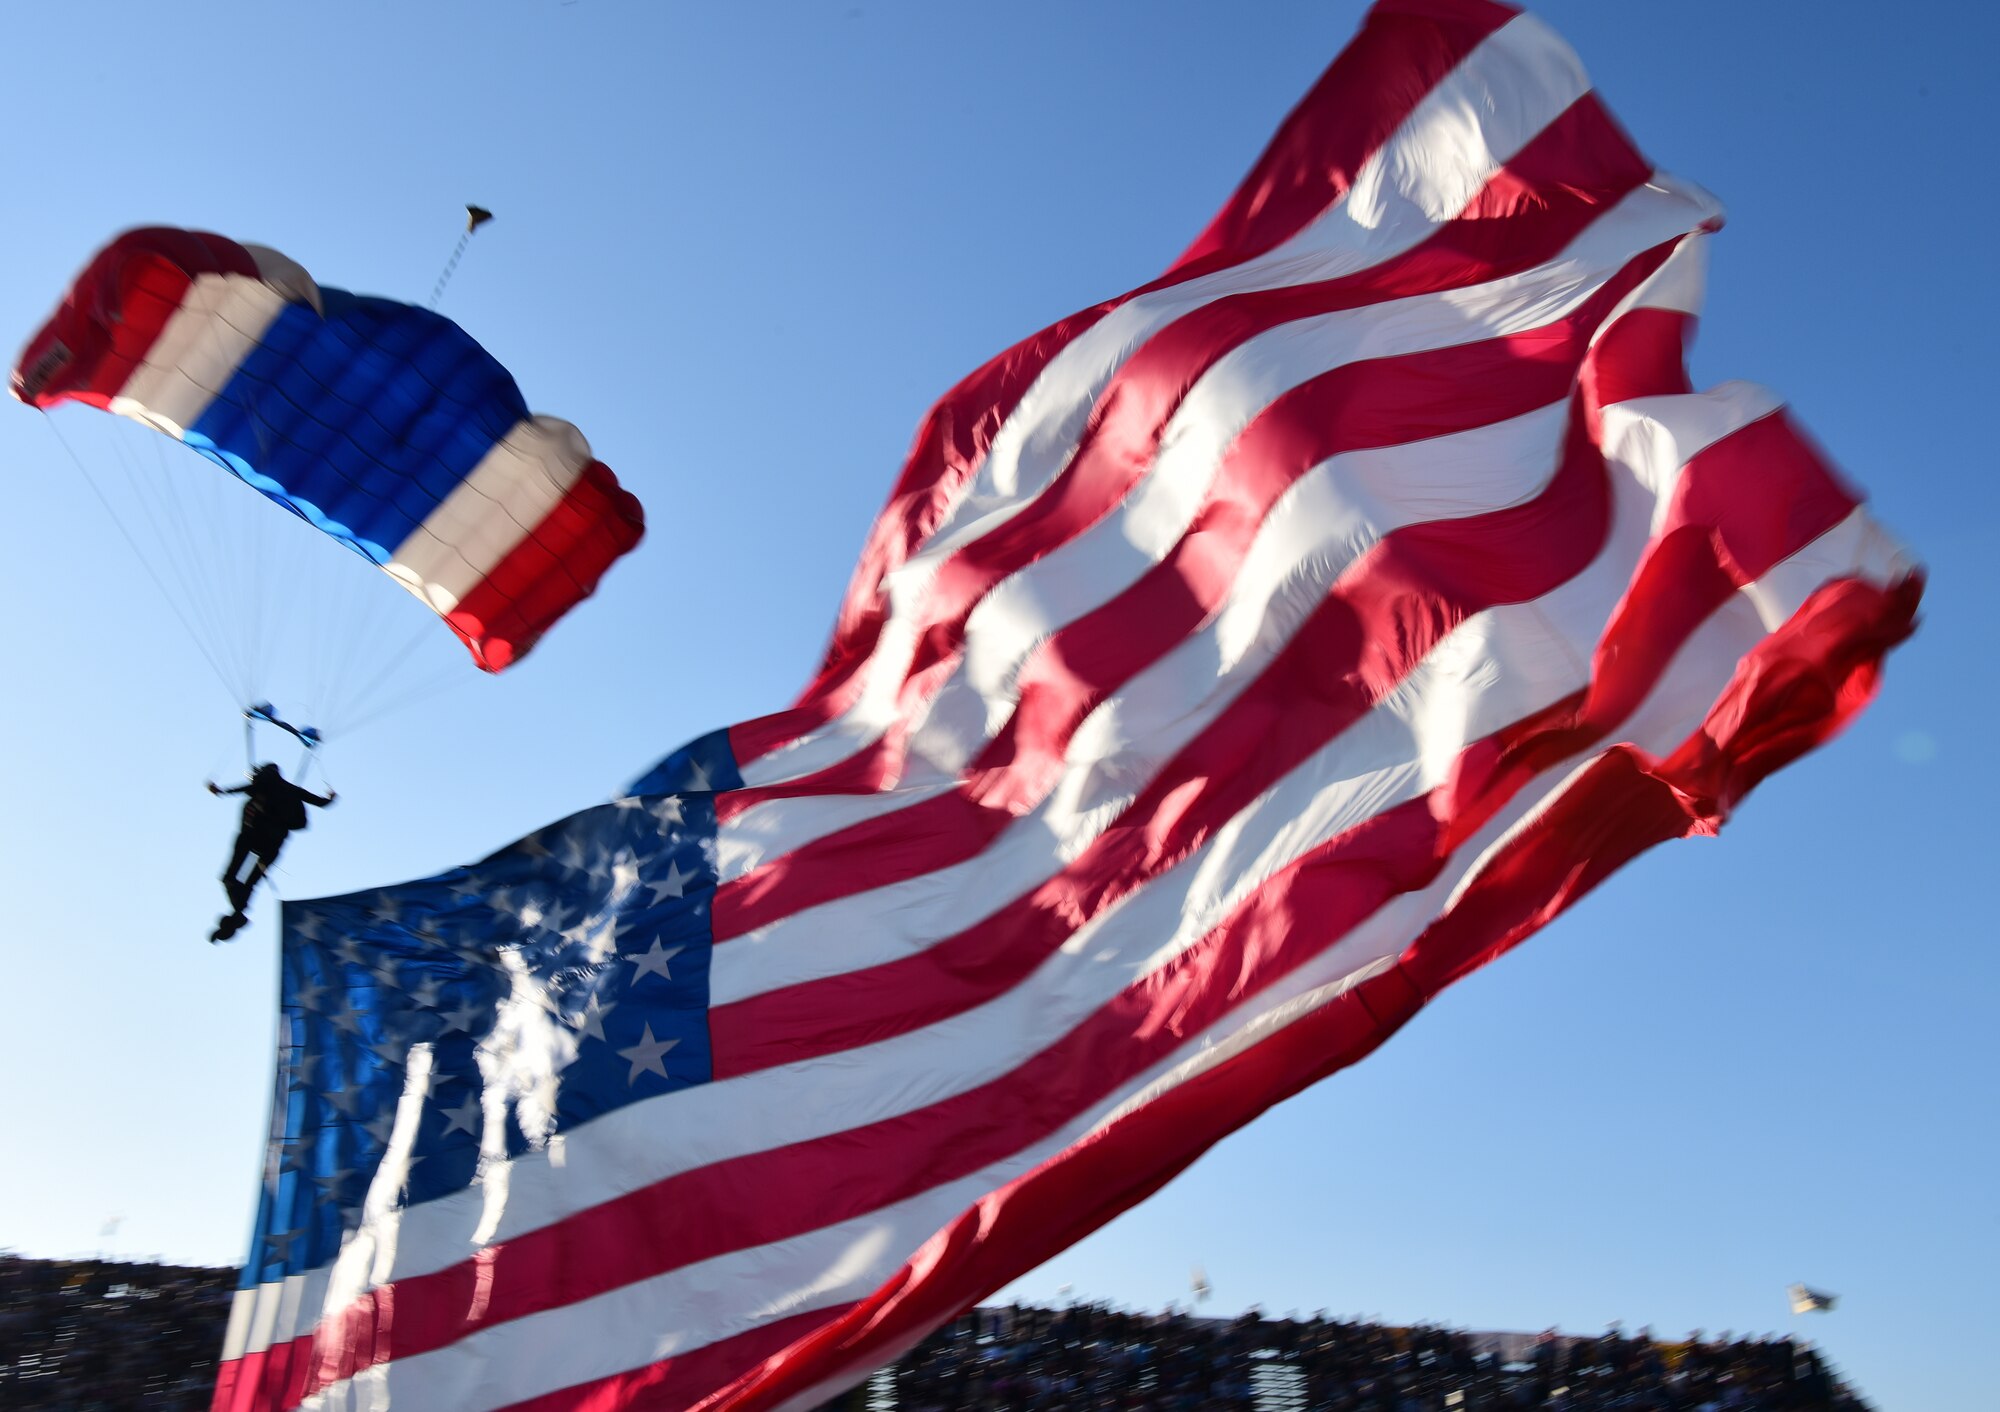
x=275 y=809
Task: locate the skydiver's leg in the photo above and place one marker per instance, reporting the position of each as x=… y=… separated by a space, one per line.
x=265 y=852
x=239 y=892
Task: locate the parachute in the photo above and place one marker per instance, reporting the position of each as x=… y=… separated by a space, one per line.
x=382 y=424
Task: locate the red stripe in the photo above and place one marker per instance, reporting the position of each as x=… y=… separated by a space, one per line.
x=1796 y=689
x=553 y=569
x=227 y=1378
x=1568 y=175
x=1644 y=354
x=1381 y=402
x=1401 y=53
x=116 y=308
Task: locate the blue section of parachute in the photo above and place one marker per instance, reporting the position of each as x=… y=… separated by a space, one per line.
x=360 y=421
x=491 y=1008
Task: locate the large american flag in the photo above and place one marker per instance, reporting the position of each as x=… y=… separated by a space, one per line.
x=1236 y=664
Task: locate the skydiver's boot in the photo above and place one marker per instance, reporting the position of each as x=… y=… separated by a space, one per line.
x=228 y=926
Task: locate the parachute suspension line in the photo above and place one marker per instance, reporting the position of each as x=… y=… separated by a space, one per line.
x=151 y=498
x=365 y=694
x=207 y=591
x=139 y=554
x=421 y=688
x=475 y=217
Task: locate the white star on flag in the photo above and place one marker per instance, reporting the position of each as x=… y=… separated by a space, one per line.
x=347 y=1100
x=462 y=1119
x=590 y=1024
x=674 y=884
x=646 y=1055
x=654 y=962
x=471 y=885
x=461 y=1019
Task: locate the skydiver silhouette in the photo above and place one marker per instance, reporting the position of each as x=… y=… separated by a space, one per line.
x=275 y=809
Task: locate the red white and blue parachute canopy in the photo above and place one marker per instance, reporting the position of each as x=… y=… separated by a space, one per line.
x=383 y=424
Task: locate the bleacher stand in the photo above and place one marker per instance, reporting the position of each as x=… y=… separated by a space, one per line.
x=105 y=1336
x=1094 y=1359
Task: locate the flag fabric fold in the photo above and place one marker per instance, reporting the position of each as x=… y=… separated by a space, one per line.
x=1236 y=664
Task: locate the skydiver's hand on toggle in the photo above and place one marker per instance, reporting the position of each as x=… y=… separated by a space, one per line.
x=212 y=789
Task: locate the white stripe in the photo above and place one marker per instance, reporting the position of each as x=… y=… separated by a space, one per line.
x=1521 y=78
x=242 y=1310
x=221 y=321
x=513 y=488
x=1678 y=285
x=729 y=1294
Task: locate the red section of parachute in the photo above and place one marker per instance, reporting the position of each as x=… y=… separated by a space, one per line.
x=556 y=567
x=114 y=311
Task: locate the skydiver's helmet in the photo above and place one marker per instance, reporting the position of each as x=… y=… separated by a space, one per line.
x=266 y=772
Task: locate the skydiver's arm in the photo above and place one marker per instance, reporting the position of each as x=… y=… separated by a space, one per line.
x=214 y=788
x=316 y=800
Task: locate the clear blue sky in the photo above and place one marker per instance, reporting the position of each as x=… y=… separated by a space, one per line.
x=744 y=246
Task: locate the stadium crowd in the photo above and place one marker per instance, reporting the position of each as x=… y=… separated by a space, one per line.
x=103 y=1336
x=1091 y=1359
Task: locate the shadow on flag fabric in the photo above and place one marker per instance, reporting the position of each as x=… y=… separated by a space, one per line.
x=1236 y=664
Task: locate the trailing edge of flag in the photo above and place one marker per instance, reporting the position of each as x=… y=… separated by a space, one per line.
x=1236 y=664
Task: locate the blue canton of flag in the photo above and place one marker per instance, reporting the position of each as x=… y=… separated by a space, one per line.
x=431 y=1026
